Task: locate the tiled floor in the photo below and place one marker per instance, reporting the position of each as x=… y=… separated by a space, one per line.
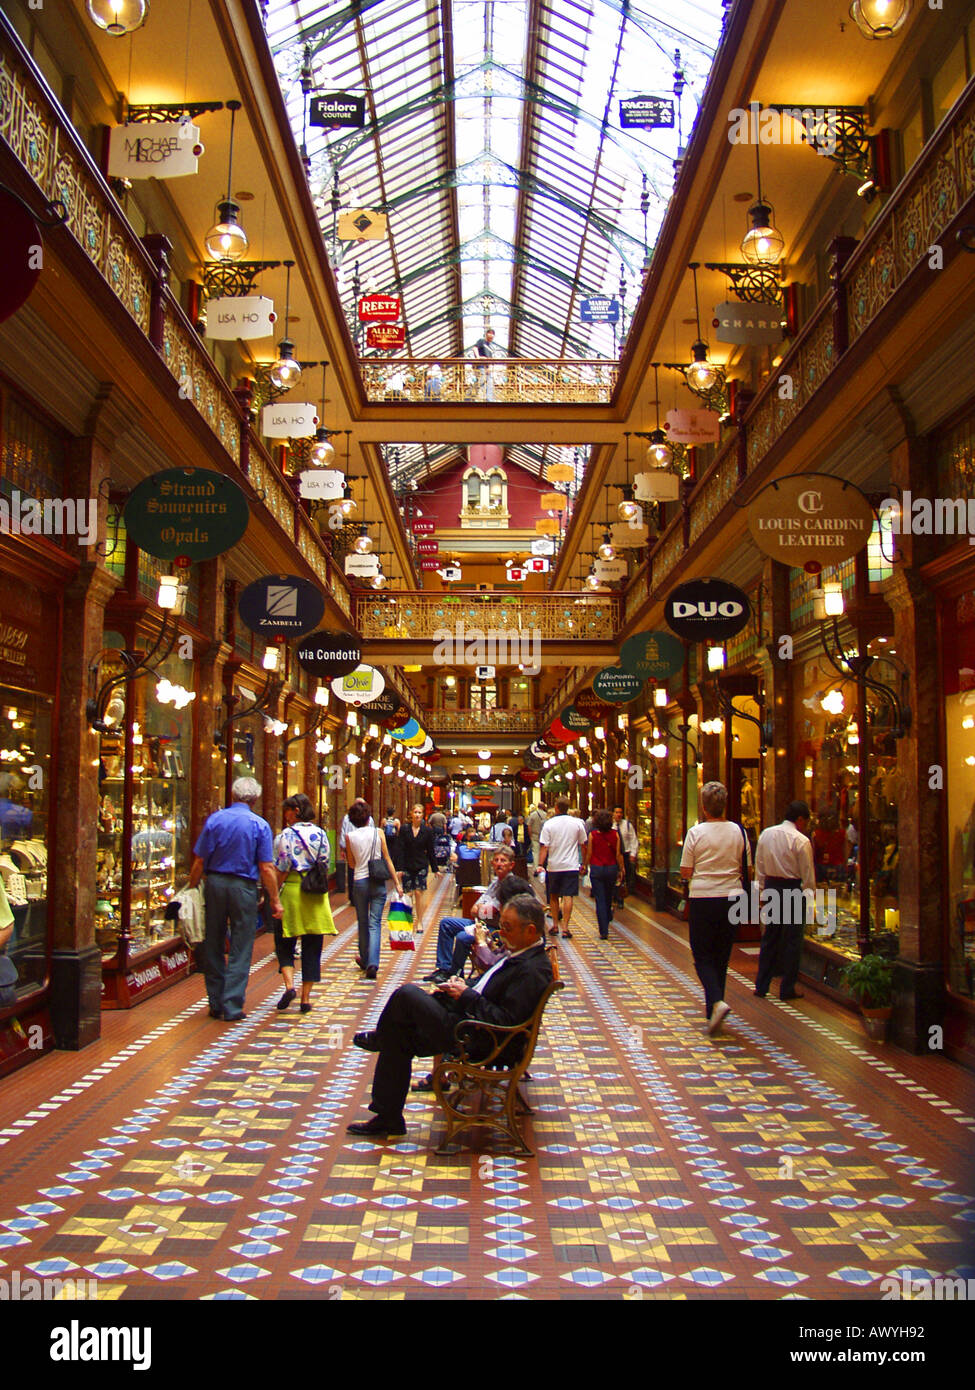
x=183 y=1158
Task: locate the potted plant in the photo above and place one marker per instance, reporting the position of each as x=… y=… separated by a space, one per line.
x=871 y=982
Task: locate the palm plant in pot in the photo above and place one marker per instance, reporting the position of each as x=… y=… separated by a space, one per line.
x=871 y=982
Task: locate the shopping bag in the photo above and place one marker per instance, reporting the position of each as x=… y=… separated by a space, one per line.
x=401 y=926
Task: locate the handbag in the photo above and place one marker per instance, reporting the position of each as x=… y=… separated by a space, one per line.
x=315 y=879
x=378 y=869
x=401 y=926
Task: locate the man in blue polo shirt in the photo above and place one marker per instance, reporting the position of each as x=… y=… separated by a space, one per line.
x=233 y=850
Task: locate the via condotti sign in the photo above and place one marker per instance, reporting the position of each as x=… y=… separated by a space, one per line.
x=707 y=610
x=811 y=516
x=327 y=654
x=187 y=512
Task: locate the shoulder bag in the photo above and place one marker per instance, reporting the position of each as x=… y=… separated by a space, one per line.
x=314 y=879
x=378 y=869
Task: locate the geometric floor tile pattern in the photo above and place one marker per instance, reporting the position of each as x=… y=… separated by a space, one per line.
x=788 y=1158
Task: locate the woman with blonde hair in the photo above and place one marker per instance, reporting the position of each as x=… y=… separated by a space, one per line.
x=716 y=861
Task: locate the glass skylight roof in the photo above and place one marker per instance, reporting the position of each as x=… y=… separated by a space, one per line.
x=512 y=192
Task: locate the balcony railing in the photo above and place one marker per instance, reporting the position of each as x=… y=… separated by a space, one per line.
x=35 y=129
x=499 y=380
x=482 y=630
x=467 y=721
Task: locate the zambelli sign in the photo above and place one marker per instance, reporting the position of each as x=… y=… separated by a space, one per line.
x=811 y=516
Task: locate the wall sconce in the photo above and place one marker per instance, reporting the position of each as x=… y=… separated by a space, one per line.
x=660 y=697
x=716 y=658
x=599 y=732
x=271 y=658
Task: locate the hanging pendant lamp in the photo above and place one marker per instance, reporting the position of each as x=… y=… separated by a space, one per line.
x=322 y=452
x=763 y=243
x=118 y=17
x=286 y=372
x=659 y=452
x=226 y=240
x=701 y=375
x=879 y=19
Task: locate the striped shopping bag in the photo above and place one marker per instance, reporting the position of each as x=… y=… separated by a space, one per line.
x=401 y=926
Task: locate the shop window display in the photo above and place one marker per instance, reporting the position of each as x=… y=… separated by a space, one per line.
x=25 y=742
x=958 y=646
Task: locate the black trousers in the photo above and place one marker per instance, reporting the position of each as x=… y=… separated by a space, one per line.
x=782 y=937
x=413 y=1024
x=311 y=953
x=712 y=937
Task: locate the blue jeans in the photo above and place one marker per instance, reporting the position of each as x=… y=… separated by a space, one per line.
x=369 y=899
x=230 y=901
x=603 y=880
x=449 y=928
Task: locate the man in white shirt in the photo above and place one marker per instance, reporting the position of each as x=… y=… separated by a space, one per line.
x=626 y=830
x=785 y=872
x=536 y=820
x=562 y=839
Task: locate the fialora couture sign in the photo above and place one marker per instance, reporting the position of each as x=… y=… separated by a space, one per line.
x=810 y=516
x=188 y=512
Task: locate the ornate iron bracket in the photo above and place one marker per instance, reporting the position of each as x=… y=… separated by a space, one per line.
x=158 y=112
x=233 y=278
x=837 y=132
x=752 y=284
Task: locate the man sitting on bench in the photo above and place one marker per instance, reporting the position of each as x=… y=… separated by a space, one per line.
x=486 y=907
x=417 y=1024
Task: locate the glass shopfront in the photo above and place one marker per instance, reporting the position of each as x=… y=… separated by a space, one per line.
x=958 y=674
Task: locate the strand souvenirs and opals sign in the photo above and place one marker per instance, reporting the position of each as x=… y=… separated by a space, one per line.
x=810 y=517
x=243 y=316
x=337 y=109
x=379 y=308
x=646 y=113
x=748 y=323
x=652 y=655
x=195 y=513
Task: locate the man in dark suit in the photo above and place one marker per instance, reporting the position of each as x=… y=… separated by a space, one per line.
x=417 y=1024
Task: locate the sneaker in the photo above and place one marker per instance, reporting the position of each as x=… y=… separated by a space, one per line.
x=718 y=1015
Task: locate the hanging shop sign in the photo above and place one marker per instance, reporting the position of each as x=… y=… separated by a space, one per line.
x=379 y=308
x=748 y=323
x=321 y=484
x=484 y=673
x=646 y=113
x=360 y=686
x=617 y=686
x=282 y=604
x=527 y=776
x=599 y=309
x=538 y=564
x=362 y=224
x=289 y=420
x=387 y=705
x=693 y=426
x=533 y=759
x=191 y=512
x=451 y=574
x=361 y=566
x=245 y=316
x=610 y=571
x=575 y=720
x=558 y=734
x=543 y=546
x=707 y=610
x=153 y=151
x=330 y=109
x=658 y=486
x=385 y=336
x=423 y=528
x=810 y=516
x=516 y=574
x=652 y=655
x=629 y=537
x=589 y=703
x=428 y=547
x=329 y=654
x=553 y=501
x=408 y=730
x=21 y=254
x=428 y=562
x=559 y=473
x=425 y=747
x=547 y=526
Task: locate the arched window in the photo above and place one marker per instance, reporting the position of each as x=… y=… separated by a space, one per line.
x=484 y=499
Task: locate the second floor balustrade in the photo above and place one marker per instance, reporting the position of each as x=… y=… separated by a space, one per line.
x=513 y=622
x=498 y=380
x=482 y=721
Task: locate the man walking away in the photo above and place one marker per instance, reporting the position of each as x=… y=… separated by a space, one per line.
x=234 y=849
x=626 y=830
x=563 y=837
x=784 y=869
x=536 y=820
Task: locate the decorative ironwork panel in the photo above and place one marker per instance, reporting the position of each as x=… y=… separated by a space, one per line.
x=272 y=491
x=499 y=721
x=717 y=491
x=500 y=380
x=667 y=554
x=636 y=595
x=513 y=622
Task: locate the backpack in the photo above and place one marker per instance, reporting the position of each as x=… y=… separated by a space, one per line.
x=442 y=847
x=389 y=830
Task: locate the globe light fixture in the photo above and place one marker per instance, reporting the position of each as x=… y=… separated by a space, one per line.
x=606 y=550
x=701 y=375
x=878 y=19
x=118 y=17
x=763 y=243
x=226 y=240
x=832 y=703
x=363 y=541
x=322 y=453
x=286 y=372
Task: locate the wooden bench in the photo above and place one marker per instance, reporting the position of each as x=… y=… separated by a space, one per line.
x=487 y=1091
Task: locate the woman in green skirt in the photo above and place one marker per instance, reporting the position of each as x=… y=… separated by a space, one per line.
x=307 y=916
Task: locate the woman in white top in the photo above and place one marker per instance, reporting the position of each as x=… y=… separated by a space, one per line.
x=712 y=862
x=362 y=843
x=306 y=915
